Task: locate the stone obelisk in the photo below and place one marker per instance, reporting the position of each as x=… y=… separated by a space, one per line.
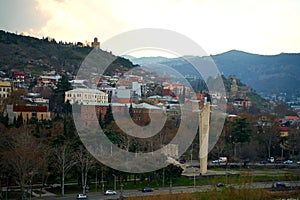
x=203 y=137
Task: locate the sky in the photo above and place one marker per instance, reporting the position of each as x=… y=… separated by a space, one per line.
x=257 y=26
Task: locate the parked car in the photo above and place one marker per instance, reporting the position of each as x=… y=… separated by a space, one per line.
x=147 y=190
x=271 y=160
x=110 y=192
x=263 y=162
x=288 y=162
x=216 y=161
x=280 y=185
x=81 y=196
x=220 y=184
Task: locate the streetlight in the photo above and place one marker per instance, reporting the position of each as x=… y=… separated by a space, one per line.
x=163 y=182
x=115 y=184
x=96 y=180
x=102 y=182
x=194 y=178
x=121 y=194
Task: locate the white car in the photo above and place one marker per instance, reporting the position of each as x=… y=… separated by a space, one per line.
x=288 y=162
x=110 y=192
x=81 y=196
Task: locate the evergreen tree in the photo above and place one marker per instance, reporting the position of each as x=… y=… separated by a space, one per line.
x=108 y=118
x=131 y=110
x=19 y=121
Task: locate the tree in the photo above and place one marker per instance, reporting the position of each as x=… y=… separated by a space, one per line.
x=240 y=133
x=130 y=110
x=267 y=133
x=23 y=156
x=63 y=161
x=19 y=120
x=57 y=100
x=108 y=117
x=85 y=163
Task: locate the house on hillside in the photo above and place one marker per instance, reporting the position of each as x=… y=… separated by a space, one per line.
x=86 y=96
x=48 y=81
x=244 y=103
x=5 y=89
x=28 y=112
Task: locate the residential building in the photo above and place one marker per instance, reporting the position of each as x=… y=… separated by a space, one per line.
x=86 y=96
x=28 y=112
x=244 y=103
x=48 y=81
x=5 y=89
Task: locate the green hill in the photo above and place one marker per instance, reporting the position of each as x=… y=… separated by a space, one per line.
x=33 y=54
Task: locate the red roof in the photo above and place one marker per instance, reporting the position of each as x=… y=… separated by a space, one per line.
x=30 y=109
x=19 y=74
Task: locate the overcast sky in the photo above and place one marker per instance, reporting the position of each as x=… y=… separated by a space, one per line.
x=256 y=26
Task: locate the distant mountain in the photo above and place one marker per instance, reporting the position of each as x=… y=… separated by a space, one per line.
x=266 y=74
x=146 y=60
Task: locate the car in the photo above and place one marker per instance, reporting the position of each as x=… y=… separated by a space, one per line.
x=216 y=161
x=147 y=190
x=220 y=184
x=288 y=162
x=110 y=192
x=81 y=196
x=263 y=162
x=280 y=185
x=271 y=160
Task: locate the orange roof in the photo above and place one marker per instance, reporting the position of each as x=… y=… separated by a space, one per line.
x=291 y=118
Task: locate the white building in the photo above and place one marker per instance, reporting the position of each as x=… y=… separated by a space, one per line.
x=5 y=89
x=86 y=96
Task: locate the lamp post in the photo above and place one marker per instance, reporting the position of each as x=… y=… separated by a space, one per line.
x=121 y=193
x=96 y=180
x=163 y=181
x=194 y=178
x=115 y=183
x=102 y=182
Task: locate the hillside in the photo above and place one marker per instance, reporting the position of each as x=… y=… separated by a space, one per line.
x=35 y=55
x=265 y=74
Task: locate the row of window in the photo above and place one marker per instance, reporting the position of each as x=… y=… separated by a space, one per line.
x=88 y=96
x=4 y=89
x=3 y=95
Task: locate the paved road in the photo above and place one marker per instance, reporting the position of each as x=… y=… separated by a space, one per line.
x=203 y=188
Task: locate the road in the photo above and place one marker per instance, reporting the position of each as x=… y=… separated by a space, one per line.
x=203 y=188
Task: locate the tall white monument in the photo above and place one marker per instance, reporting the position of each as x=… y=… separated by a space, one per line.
x=203 y=137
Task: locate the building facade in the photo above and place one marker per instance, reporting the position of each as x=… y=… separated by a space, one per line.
x=86 y=96
x=5 y=89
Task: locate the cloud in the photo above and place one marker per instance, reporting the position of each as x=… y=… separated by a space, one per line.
x=265 y=27
x=76 y=20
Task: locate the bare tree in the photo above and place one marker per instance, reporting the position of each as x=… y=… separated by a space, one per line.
x=22 y=155
x=85 y=163
x=64 y=160
x=267 y=132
